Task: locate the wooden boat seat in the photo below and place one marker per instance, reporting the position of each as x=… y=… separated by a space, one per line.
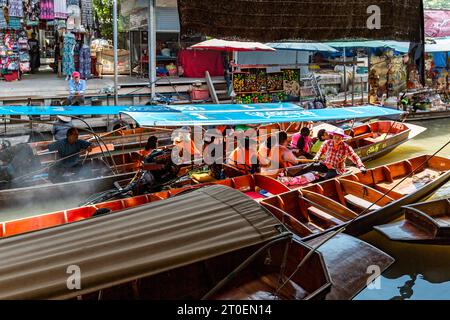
x=263 y=287
x=361 y=203
x=323 y=215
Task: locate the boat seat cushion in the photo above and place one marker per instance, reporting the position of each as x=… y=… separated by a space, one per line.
x=361 y=203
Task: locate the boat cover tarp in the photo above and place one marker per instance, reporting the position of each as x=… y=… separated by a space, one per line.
x=132 y=244
x=115 y=110
x=202 y=118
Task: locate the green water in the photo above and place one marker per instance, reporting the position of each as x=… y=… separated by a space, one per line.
x=420 y=272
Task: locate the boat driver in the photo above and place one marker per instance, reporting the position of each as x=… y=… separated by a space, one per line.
x=69 y=152
x=331 y=158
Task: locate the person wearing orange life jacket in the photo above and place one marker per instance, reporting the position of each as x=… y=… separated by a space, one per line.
x=281 y=156
x=244 y=157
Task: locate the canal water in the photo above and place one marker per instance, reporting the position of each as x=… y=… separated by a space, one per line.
x=420 y=272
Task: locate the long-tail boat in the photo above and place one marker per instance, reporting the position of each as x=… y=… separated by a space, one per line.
x=215 y=243
x=343 y=255
x=360 y=201
x=426 y=222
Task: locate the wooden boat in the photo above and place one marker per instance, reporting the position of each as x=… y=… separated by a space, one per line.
x=427 y=222
x=344 y=254
x=124 y=141
x=256 y=187
x=315 y=209
x=376 y=139
x=186 y=246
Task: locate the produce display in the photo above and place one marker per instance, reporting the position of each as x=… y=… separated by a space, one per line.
x=275 y=81
x=258 y=86
x=239 y=82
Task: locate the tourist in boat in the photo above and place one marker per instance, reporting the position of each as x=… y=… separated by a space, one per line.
x=150 y=146
x=185 y=147
x=302 y=143
x=244 y=157
x=215 y=139
x=61 y=126
x=264 y=151
x=281 y=156
x=77 y=89
x=69 y=150
x=322 y=136
x=332 y=156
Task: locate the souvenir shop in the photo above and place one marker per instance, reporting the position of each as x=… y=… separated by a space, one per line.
x=35 y=33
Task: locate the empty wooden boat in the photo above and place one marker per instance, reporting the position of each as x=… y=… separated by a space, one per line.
x=365 y=200
x=188 y=243
x=427 y=222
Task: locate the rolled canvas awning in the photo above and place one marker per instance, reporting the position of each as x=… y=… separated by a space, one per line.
x=132 y=244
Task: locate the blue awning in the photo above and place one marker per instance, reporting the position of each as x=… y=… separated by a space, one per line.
x=402 y=47
x=302 y=46
x=115 y=110
x=202 y=118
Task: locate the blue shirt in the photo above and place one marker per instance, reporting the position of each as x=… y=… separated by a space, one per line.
x=79 y=87
x=65 y=149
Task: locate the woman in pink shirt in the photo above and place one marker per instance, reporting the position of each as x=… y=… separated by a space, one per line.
x=302 y=143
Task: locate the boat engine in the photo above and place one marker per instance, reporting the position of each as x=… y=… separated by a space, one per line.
x=16 y=162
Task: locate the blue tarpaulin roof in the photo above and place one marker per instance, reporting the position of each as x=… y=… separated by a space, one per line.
x=115 y=110
x=210 y=114
x=200 y=118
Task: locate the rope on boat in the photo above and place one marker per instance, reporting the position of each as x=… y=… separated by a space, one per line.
x=335 y=233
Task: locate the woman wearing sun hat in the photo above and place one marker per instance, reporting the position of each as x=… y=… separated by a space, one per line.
x=61 y=126
x=332 y=156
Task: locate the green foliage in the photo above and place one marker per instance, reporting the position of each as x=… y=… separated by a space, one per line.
x=436 y=4
x=103 y=10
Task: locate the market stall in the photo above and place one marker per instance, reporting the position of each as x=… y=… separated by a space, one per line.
x=35 y=33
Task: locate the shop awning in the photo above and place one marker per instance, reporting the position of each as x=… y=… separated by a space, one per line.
x=438 y=45
x=136 y=243
x=396 y=45
x=230 y=46
x=302 y=46
x=204 y=118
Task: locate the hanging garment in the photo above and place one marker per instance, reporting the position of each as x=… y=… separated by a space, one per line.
x=85 y=62
x=3 y=3
x=87 y=19
x=3 y=23
x=14 y=23
x=16 y=8
x=60 y=9
x=73 y=2
x=68 y=63
x=32 y=11
x=47 y=10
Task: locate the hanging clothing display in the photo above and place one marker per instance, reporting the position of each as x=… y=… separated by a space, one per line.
x=16 y=8
x=3 y=23
x=14 y=23
x=68 y=63
x=3 y=3
x=60 y=9
x=47 y=10
x=32 y=11
x=87 y=18
x=73 y=3
x=85 y=62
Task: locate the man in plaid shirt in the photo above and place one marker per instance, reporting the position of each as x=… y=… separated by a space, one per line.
x=335 y=152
